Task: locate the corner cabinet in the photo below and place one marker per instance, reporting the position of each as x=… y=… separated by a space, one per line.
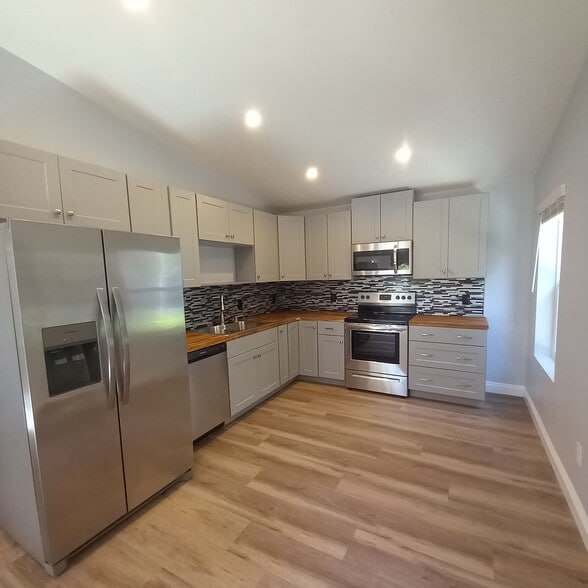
x=224 y=222
x=382 y=217
x=328 y=246
x=30 y=187
x=450 y=237
x=93 y=196
x=182 y=205
x=148 y=207
x=265 y=228
x=291 y=246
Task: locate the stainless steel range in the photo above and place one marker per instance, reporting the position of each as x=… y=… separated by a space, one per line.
x=376 y=342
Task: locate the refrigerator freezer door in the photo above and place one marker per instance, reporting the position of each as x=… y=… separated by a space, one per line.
x=144 y=277
x=73 y=430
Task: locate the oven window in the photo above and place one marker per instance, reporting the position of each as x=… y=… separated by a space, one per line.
x=373 y=260
x=375 y=346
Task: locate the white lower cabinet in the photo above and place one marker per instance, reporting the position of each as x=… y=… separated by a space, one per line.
x=254 y=369
x=447 y=362
x=308 y=348
x=293 y=349
x=331 y=356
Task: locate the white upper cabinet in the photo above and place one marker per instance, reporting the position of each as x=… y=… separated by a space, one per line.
x=386 y=217
x=339 y=245
x=328 y=246
x=94 y=196
x=184 y=225
x=267 y=267
x=225 y=222
x=29 y=184
x=149 y=207
x=291 y=248
x=450 y=237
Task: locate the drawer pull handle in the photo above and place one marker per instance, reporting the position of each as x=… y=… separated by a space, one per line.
x=426 y=354
x=424 y=379
x=329 y=328
x=465 y=386
x=464 y=337
x=458 y=358
x=426 y=334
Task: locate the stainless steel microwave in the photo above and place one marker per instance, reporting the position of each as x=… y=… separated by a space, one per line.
x=393 y=258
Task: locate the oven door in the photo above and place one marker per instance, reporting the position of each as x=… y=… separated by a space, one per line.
x=380 y=349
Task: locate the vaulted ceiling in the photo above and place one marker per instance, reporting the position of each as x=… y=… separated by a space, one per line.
x=474 y=87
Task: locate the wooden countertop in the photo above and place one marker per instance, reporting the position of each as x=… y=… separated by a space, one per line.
x=196 y=341
x=454 y=322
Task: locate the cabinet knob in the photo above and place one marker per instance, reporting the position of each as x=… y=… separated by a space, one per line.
x=325 y=275
x=57 y=211
x=383 y=236
x=258 y=276
x=70 y=213
x=330 y=275
x=232 y=235
x=341 y=341
x=283 y=275
x=313 y=328
x=443 y=270
x=449 y=270
x=228 y=235
x=376 y=237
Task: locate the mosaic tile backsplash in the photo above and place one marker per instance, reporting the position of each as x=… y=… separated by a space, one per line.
x=433 y=296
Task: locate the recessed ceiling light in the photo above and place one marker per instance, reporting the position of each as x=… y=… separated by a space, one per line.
x=136 y=5
x=312 y=173
x=253 y=118
x=403 y=154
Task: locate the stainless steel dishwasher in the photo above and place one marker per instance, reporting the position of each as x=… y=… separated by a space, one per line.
x=209 y=388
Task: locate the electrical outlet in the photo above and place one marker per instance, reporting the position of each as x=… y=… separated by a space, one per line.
x=333 y=296
x=579 y=455
x=239 y=304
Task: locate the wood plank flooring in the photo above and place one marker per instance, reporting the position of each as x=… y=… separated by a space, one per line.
x=323 y=486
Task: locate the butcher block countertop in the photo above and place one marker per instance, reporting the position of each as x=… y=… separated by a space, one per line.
x=196 y=341
x=453 y=322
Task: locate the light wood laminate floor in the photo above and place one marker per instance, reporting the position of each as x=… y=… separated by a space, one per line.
x=323 y=486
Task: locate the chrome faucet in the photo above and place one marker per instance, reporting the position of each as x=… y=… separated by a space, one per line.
x=222 y=309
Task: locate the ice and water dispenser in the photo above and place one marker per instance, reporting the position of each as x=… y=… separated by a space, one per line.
x=72 y=359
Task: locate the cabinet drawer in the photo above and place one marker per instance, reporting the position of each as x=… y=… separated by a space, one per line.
x=464 y=358
x=250 y=342
x=447 y=382
x=448 y=335
x=331 y=328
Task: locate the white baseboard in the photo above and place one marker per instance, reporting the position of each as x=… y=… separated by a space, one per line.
x=571 y=496
x=506 y=389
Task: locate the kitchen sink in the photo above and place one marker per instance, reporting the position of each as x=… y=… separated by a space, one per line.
x=229 y=328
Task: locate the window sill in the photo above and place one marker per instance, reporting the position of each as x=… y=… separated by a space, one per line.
x=547 y=363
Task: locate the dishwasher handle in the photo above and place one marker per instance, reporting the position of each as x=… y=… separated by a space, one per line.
x=194 y=356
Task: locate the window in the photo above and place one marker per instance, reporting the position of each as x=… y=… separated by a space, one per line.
x=546 y=284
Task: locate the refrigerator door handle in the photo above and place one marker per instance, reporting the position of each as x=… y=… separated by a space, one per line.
x=103 y=305
x=123 y=374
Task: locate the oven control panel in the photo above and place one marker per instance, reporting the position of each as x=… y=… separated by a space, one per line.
x=389 y=298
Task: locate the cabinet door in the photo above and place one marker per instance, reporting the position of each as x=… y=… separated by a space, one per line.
x=308 y=348
x=243 y=386
x=396 y=216
x=267 y=268
x=430 y=238
x=213 y=219
x=240 y=224
x=291 y=248
x=184 y=225
x=365 y=219
x=293 y=350
x=283 y=348
x=268 y=369
x=149 y=207
x=29 y=185
x=339 y=245
x=94 y=196
x=316 y=247
x=468 y=230
x=331 y=359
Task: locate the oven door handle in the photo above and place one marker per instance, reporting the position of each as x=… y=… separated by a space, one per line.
x=375 y=328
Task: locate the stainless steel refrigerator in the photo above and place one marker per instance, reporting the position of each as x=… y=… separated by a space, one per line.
x=94 y=396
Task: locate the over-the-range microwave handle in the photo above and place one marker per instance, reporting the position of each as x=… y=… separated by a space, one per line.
x=123 y=374
x=103 y=305
x=375 y=328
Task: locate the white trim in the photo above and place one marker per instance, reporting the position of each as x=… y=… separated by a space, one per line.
x=571 y=496
x=551 y=198
x=506 y=389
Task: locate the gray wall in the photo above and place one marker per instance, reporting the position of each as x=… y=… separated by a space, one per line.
x=41 y=112
x=563 y=404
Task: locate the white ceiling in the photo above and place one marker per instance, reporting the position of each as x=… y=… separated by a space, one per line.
x=476 y=87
